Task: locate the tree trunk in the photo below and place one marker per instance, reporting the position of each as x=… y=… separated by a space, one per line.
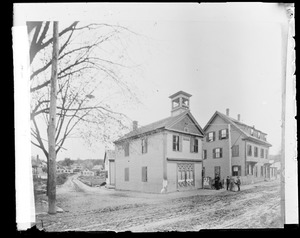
x=51 y=127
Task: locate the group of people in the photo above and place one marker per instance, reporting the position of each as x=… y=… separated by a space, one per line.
x=218 y=184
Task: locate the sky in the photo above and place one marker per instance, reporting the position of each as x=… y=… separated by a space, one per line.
x=224 y=55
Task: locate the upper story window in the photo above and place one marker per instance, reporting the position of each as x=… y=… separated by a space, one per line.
x=144 y=145
x=217 y=153
x=249 y=150
x=126 y=149
x=223 y=134
x=211 y=136
x=175 y=143
x=266 y=153
x=175 y=102
x=235 y=150
x=255 y=151
x=262 y=153
x=194 y=145
x=252 y=131
x=204 y=154
x=258 y=135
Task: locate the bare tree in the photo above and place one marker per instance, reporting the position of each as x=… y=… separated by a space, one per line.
x=85 y=67
x=52 y=125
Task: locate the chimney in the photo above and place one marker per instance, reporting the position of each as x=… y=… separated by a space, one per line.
x=239 y=117
x=227 y=112
x=134 y=125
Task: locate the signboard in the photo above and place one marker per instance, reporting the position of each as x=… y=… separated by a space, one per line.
x=206 y=182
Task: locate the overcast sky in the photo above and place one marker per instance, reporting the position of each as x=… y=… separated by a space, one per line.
x=225 y=55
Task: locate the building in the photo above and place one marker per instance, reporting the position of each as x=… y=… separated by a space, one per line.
x=109 y=166
x=233 y=148
x=87 y=172
x=164 y=156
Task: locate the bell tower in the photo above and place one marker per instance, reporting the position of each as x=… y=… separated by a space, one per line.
x=180 y=102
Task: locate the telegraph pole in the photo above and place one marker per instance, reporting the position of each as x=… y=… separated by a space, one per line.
x=52 y=125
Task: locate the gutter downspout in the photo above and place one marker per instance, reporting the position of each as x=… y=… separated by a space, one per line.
x=229 y=152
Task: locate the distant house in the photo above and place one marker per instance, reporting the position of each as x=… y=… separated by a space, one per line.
x=164 y=156
x=60 y=169
x=76 y=167
x=87 y=172
x=109 y=166
x=232 y=148
x=38 y=167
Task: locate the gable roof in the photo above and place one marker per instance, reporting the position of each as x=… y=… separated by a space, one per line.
x=237 y=125
x=165 y=123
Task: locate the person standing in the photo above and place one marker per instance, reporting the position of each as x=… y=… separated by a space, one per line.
x=227 y=182
x=238 y=183
x=217 y=181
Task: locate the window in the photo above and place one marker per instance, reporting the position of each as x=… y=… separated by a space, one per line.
x=249 y=169
x=175 y=143
x=266 y=153
x=249 y=150
x=235 y=150
x=194 y=145
x=236 y=170
x=262 y=153
x=255 y=151
x=210 y=136
x=204 y=154
x=258 y=135
x=144 y=145
x=185 y=102
x=261 y=171
x=175 y=103
x=223 y=134
x=251 y=131
x=126 y=174
x=217 y=153
x=144 y=174
x=126 y=149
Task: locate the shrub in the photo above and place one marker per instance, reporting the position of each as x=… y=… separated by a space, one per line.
x=61 y=179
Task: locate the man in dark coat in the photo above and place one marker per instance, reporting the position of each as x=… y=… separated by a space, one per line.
x=217 y=181
x=227 y=182
x=238 y=183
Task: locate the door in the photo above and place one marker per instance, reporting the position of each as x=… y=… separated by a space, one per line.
x=185 y=173
x=112 y=172
x=218 y=171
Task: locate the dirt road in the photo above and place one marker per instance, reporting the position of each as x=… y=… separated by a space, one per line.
x=89 y=209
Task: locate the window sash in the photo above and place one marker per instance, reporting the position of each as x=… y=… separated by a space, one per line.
x=249 y=150
x=144 y=145
x=126 y=149
x=235 y=150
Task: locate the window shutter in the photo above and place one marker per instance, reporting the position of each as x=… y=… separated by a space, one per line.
x=220 y=134
x=214 y=136
x=192 y=144
x=207 y=138
x=146 y=145
x=196 y=145
x=214 y=153
x=227 y=133
x=240 y=170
